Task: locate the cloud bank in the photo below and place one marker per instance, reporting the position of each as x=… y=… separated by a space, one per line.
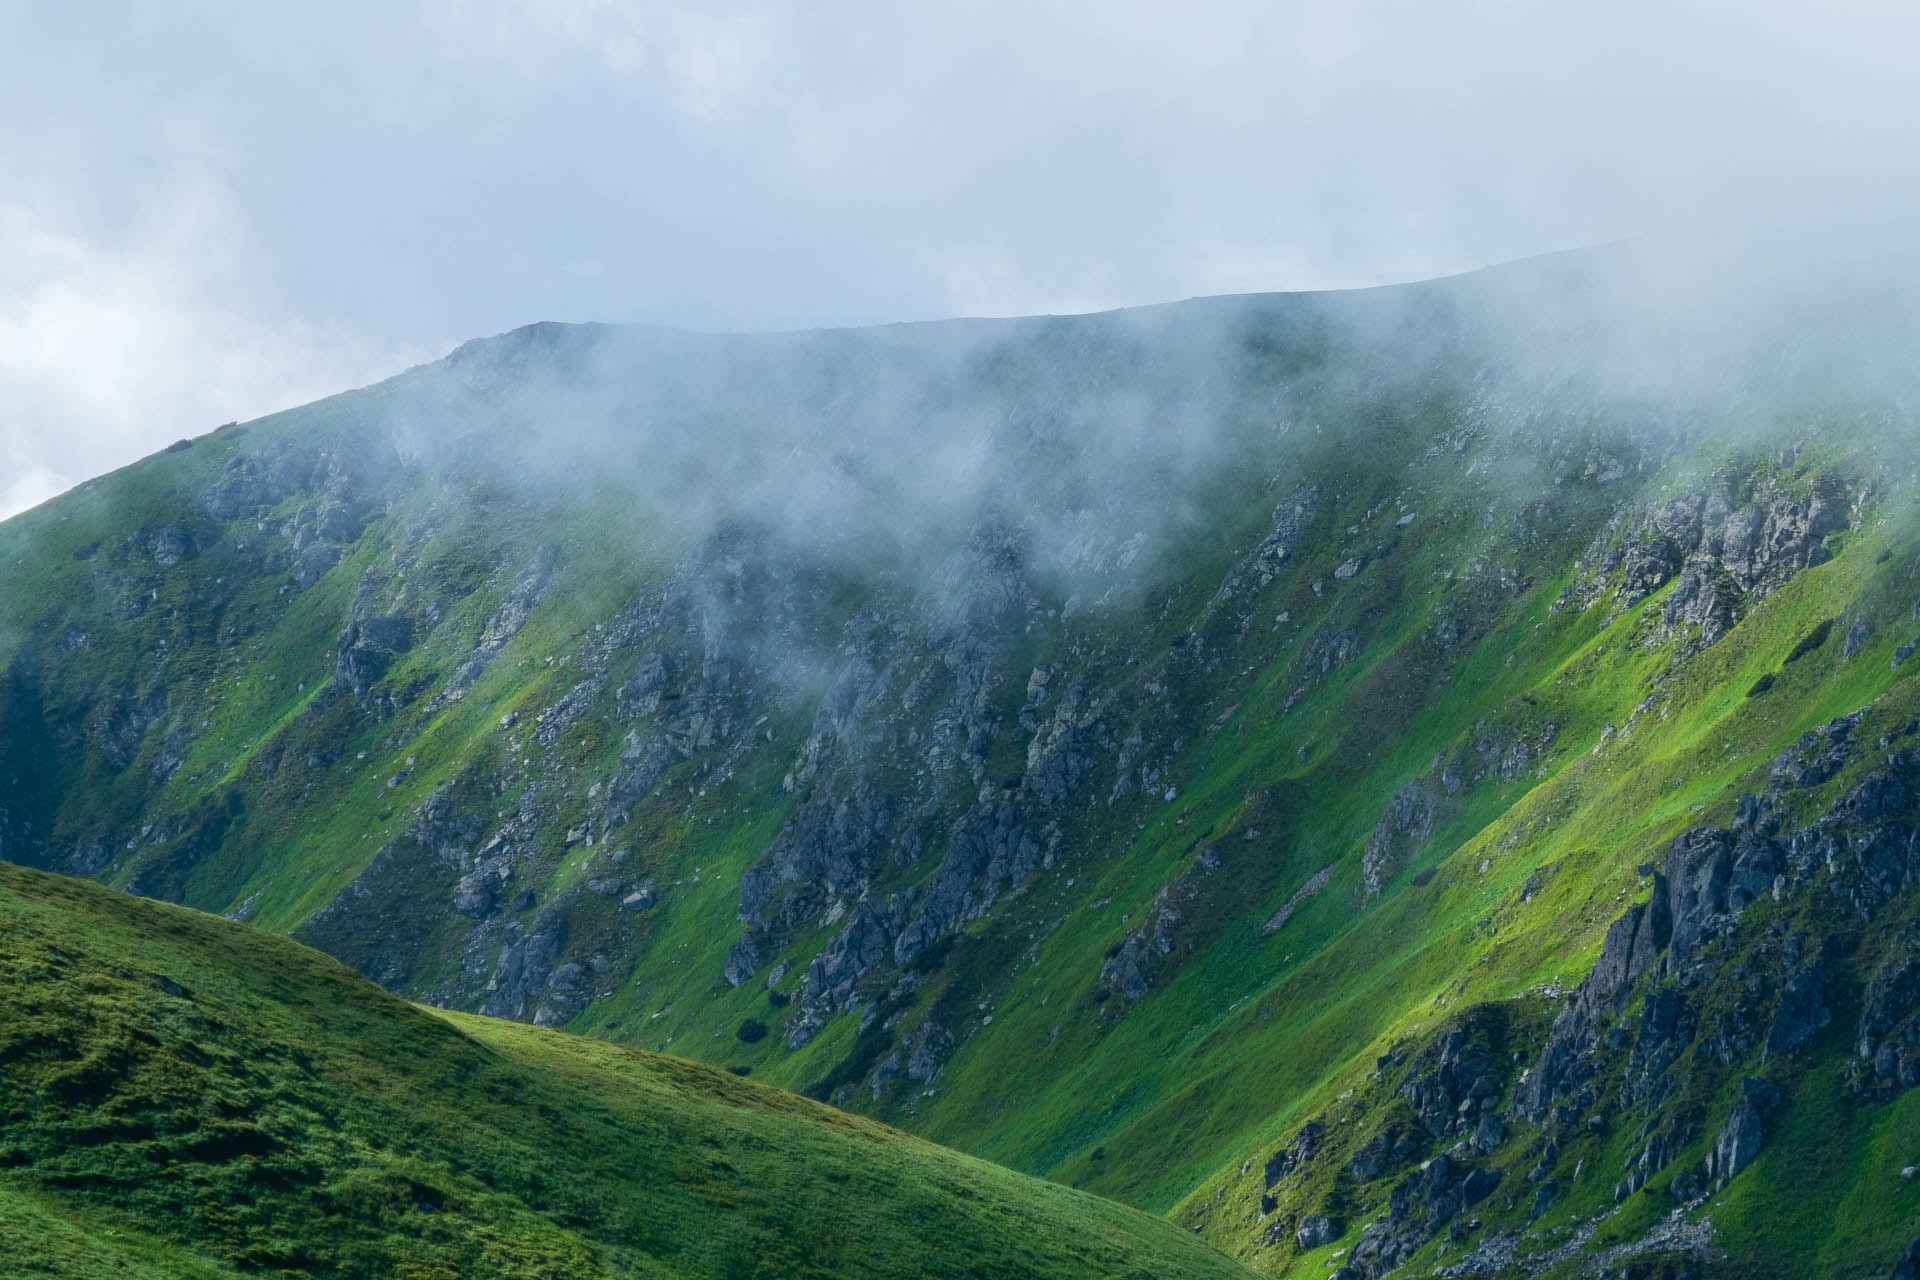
x=215 y=209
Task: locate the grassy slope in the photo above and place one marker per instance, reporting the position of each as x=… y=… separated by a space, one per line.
x=1159 y=1107
x=1393 y=975
x=251 y=1104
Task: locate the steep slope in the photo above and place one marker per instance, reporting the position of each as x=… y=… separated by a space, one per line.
x=1111 y=745
x=186 y=1096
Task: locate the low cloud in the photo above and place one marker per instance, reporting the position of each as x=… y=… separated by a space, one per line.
x=234 y=208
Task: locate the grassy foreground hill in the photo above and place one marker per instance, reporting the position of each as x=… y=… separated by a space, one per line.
x=185 y=1096
x=1408 y=782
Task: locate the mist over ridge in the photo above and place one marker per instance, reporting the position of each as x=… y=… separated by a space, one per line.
x=1189 y=752
x=1097 y=437
x=1099 y=640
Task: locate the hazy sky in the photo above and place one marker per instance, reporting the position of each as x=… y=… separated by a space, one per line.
x=209 y=211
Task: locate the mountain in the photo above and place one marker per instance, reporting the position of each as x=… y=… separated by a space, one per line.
x=189 y=1096
x=1390 y=780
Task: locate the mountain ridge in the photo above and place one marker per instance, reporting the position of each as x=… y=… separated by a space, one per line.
x=1097 y=743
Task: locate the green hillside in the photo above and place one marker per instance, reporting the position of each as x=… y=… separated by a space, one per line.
x=1194 y=754
x=187 y=1096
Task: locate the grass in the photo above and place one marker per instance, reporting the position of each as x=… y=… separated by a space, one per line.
x=1282 y=767
x=255 y=1107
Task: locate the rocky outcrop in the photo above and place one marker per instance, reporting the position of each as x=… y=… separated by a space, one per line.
x=368 y=647
x=1461 y=1074
x=367 y=650
x=933 y=1044
x=505 y=623
x=1723 y=546
x=1711 y=875
x=526 y=965
x=1888 y=1036
x=116 y=726
x=1417 y=1209
x=1317 y=1230
x=1291 y=1158
x=1802 y=1012
x=1149 y=954
x=250 y=482
x=1315 y=883
x=166 y=546
x=1743 y=1132
x=1291 y=519
x=855 y=819
x=1402 y=830
x=1815 y=756
x=1861 y=851
x=1388 y=1149
x=1634 y=946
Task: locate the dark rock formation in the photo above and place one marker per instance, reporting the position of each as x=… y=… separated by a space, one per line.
x=1387 y=1150
x=1290 y=1158
x=1802 y=1011
x=1723 y=546
x=1316 y=1230
x=1417 y=1209
x=1462 y=1073
x=1745 y=1130
x=1888 y=1037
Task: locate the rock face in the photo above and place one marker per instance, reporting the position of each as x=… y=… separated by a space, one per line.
x=931 y=1049
x=1418 y=1208
x=1745 y=1130
x=1387 y=1150
x=1710 y=877
x=1632 y=949
x=1683 y=990
x=526 y=965
x=1722 y=546
x=368 y=646
x=1862 y=851
x=1295 y=1154
x=1316 y=1231
x=1802 y=1011
x=1462 y=1073
x=1888 y=1036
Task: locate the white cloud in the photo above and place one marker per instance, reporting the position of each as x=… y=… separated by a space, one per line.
x=112 y=346
x=702 y=59
x=440 y=169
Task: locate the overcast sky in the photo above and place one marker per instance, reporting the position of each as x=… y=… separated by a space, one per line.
x=212 y=210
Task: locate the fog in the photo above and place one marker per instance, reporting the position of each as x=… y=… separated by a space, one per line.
x=216 y=210
x=1101 y=452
